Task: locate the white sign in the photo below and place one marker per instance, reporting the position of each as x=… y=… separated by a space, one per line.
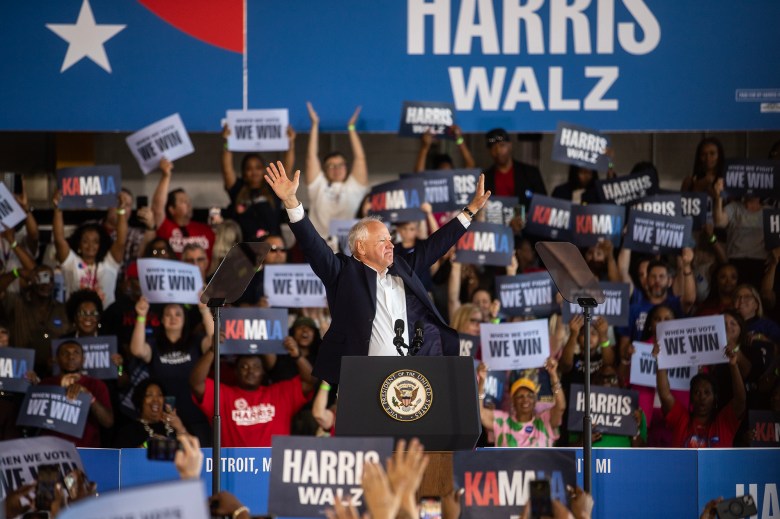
x=293 y=286
x=340 y=229
x=696 y=341
x=643 y=369
x=11 y=213
x=166 y=138
x=168 y=281
x=258 y=130
x=510 y=346
x=167 y=499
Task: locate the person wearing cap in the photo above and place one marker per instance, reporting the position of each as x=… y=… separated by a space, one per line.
x=524 y=427
x=509 y=177
x=374 y=288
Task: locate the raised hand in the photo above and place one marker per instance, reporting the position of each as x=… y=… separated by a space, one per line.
x=284 y=188
x=354 y=118
x=480 y=197
x=315 y=119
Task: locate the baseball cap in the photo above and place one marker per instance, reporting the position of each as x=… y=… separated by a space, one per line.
x=496 y=135
x=523 y=382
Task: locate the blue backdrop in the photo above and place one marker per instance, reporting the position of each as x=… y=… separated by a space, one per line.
x=611 y=65
x=626 y=482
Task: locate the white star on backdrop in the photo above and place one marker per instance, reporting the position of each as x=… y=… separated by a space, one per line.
x=85 y=39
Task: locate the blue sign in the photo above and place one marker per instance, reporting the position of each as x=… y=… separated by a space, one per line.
x=399 y=201
x=486 y=244
x=609 y=65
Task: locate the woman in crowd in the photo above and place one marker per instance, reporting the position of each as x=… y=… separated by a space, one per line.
x=580 y=188
x=96 y=261
x=171 y=355
x=761 y=344
x=524 y=427
x=467 y=319
x=253 y=204
x=159 y=248
x=84 y=309
x=155 y=418
x=701 y=425
x=721 y=297
x=707 y=167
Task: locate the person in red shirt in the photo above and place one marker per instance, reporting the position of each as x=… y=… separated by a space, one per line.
x=173 y=216
x=703 y=425
x=252 y=412
x=70 y=358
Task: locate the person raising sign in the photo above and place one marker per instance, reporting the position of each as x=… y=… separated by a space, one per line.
x=371 y=290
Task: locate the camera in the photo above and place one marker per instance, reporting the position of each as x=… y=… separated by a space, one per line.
x=162 y=449
x=736 y=507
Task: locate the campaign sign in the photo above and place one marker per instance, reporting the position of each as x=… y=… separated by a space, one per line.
x=166 y=138
x=656 y=234
x=20 y=459
x=11 y=213
x=89 y=187
x=766 y=428
x=486 y=244
x=46 y=407
x=308 y=474
x=771 y=228
x=643 y=368
x=294 y=286
x=14 y=364
x=169 y=499
x=418 y=117
x=624 y=190
x=448 y=190
x=399 y=201
x=594 y=222
x=494 y=387
x=611 y=409
x=695 y=341
x=580 y=146
x=469 y=344
x=527 y=294
x=522 y=345
x=97 y=355
x=549 y=217
x=667 y=204
x=258 y=130
x=340 y=229
x=251 y=331
x=496 y=481
x=168 y=281
x=698 y=206
x=753 y=177
x=500 y=209
x=614 y=308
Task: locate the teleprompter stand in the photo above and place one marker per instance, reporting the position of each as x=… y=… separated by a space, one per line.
x=226 y=287
x=576 y=284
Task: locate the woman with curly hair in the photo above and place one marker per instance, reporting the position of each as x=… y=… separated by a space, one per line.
x=89 y=259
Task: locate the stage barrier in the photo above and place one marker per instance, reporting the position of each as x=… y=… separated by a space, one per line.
x=626 y=482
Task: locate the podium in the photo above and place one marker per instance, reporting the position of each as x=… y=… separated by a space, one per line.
x=430 y=398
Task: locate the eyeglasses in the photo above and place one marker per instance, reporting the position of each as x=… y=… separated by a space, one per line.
x=475 y=321
x=93 y=313
x=276 y=248
x=159 y=252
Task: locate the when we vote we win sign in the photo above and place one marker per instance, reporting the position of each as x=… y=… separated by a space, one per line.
x=696 y=341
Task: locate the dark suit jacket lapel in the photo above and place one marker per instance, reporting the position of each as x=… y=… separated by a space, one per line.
x=416 y=287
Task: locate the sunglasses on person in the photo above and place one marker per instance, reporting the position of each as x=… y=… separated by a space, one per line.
x=276 y=248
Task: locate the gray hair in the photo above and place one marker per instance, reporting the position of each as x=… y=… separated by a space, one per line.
x=359 y=231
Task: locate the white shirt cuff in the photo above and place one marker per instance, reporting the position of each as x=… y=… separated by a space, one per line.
x=296 y=214
x=461 y=216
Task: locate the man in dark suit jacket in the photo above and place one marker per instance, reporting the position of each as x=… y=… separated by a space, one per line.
x=362 y=322
x=509 y=177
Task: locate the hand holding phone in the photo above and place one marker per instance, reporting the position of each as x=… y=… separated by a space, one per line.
x=541 y=504
x=46 y=486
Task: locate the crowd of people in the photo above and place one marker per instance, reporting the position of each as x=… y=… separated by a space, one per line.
x=166 y=350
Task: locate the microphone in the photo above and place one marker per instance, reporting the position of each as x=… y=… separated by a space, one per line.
x=398 y=341
x=417 y=341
